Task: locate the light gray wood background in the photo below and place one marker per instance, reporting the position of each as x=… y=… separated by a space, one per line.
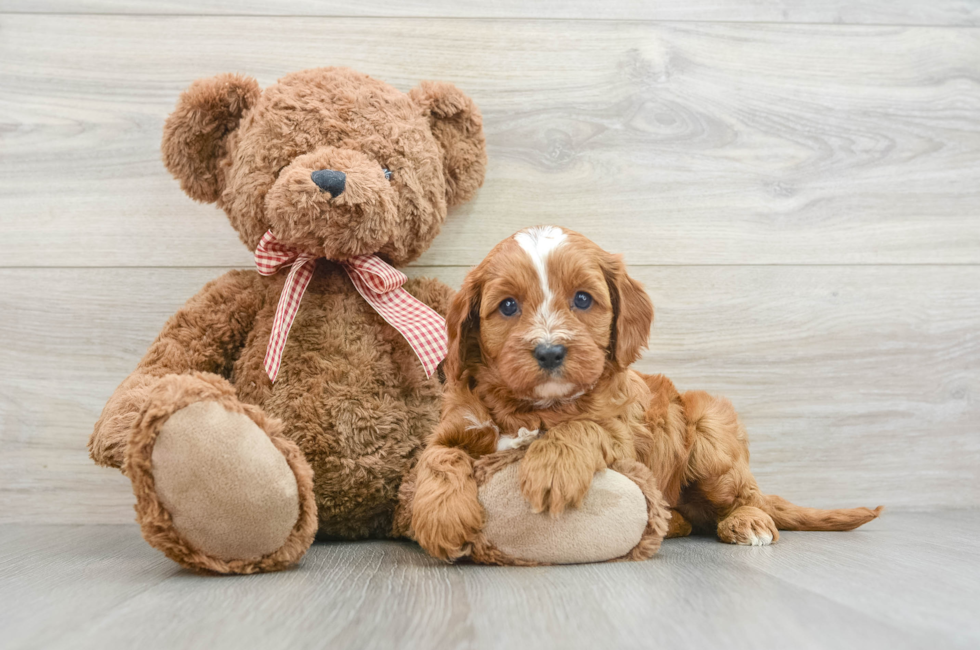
x=796 y=183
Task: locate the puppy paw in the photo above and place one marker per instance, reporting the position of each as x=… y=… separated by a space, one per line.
x=553 y=478
x=446 y=512
x=678 y=526
x=446 y=531
x=748 y=526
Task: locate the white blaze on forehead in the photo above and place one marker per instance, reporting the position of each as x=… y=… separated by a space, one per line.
x=539 y=243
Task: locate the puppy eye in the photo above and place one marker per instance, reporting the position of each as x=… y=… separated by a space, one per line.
x=582 y=300
x=387 y=173
x=508 y=307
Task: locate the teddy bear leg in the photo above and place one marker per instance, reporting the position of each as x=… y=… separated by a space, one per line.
x=622 y=517
x=217 y=487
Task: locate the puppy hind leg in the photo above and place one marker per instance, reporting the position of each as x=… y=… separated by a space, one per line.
x=678 y=526
x=748 y=526
x=742 y=518
x=718 y=470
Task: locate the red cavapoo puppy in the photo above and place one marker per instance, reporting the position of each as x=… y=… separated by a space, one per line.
x=541 y=338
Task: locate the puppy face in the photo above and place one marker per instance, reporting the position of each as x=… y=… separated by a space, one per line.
x=545 y=314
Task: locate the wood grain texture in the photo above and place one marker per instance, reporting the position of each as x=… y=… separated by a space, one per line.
x=888 y=12
x=889 y=585
x=54 y=579
x=674 y=143
x=857 y=384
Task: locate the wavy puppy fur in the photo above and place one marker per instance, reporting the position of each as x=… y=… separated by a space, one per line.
x=550 y=291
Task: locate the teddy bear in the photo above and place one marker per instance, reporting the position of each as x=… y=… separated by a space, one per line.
x=290 y=401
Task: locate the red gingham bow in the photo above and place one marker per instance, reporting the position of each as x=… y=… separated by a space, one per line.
x=377 y=282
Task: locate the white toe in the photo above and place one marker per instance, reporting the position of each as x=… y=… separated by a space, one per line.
x=761 y=539
x=764 y=539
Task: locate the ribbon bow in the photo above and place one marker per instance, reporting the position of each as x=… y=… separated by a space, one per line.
x=377 y=282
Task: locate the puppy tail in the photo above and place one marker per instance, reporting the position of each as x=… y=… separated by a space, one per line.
x=789 y=516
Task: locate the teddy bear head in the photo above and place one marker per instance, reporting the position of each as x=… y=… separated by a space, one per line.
x=335 y=163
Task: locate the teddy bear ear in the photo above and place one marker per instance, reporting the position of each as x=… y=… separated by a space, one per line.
x=195 y=134
x=458 y=128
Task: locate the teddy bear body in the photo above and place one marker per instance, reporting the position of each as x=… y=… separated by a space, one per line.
x=351 y=394
x=234 y=470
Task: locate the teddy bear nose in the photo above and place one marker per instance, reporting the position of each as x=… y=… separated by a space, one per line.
x=549 y=356
x=330 y=181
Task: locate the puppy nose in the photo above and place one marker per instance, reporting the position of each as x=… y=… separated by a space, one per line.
x=330 y=181
x=549 y=356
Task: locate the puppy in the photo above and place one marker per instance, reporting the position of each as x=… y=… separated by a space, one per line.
x=541 y=339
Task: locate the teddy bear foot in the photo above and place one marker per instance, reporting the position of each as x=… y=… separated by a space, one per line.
x=216 y=491
x=623 y=517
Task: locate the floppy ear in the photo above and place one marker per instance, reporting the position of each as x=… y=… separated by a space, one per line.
x=195 y=134
x=632 y=313
x=458 y=128
x=463 y=325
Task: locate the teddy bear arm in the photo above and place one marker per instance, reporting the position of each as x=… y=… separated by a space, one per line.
x=434 y=293
x=205 y=335
x=208 y=333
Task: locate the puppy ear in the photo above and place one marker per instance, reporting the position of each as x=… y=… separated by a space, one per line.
x=458 y=128
x=632 y=313
x=463 y=324
x=195 y=134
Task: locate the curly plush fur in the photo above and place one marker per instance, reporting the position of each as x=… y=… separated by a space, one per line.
x=351 y=396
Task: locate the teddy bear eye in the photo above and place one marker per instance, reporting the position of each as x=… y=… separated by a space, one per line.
x=387 y=173
x=508 y=307
x=582 y=300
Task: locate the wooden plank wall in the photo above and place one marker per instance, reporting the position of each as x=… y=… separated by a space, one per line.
x=796 y=183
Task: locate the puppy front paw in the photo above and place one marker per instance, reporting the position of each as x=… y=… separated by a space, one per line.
x=446 y=531
x=553 y=477
x=446 y=512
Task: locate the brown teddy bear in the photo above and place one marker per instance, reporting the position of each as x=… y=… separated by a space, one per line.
x=283 y=403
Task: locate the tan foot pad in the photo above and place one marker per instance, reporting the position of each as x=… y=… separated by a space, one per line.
x=229 y=491
x=622 y=517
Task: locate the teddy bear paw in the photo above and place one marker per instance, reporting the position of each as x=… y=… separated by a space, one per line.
x=229 y=491
x=611 y=521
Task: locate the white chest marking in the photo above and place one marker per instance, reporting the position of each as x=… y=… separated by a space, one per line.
x=523 y=438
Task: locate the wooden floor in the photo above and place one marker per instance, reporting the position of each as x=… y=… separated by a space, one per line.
x=905 y=581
